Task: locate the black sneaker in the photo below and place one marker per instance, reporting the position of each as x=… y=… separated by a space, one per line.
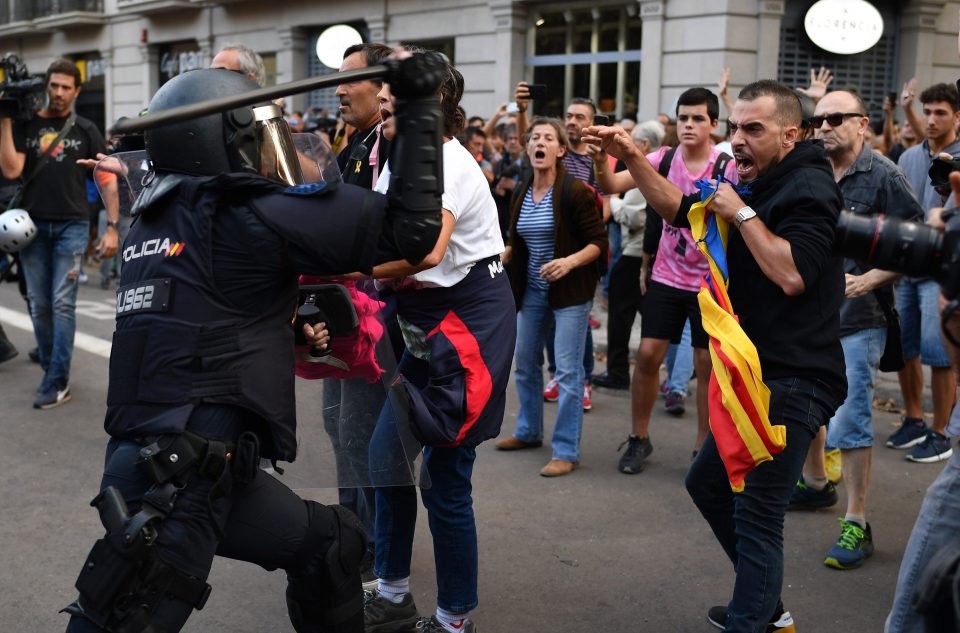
x=913 y=431
x=607 y=381
x=934 y=448
x=638 y=449
x=383 y=616
x=7 y=350
x=52 y=397
x=782 y=622
x=34 y=355
x=432 y=625
x=804 y=497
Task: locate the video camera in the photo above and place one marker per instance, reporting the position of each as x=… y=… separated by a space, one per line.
x=21 y=94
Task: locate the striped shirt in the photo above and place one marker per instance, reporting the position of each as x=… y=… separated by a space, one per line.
x=535 y=226
x=580 y=167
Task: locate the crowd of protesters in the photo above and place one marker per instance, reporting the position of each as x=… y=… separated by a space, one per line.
x=563 y=212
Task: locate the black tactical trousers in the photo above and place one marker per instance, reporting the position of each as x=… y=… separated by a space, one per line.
x=262 y=522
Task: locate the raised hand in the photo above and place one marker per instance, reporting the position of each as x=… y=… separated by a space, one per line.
x=819 y=80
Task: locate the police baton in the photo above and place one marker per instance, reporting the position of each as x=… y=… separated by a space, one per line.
x=194 y=110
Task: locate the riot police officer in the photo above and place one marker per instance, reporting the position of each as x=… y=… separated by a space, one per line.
x=201 y=371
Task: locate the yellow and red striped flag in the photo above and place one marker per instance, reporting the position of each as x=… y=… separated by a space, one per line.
x=739 y=402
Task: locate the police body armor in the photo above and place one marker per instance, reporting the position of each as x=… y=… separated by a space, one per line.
x=179 y=342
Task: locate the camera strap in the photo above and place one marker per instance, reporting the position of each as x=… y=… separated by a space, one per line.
x=44 y=159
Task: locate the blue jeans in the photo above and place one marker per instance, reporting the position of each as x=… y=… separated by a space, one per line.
x=679 y=361
x=569 y=341
x=917 y=303
x=588 y=359
x=937 y=525
x=851 y=426
x=449 y=504
x=749 y=524
x=51 y=264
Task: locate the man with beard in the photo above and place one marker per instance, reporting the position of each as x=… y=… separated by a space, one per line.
x=870 y=185
x=43 y=151
x=786 y=287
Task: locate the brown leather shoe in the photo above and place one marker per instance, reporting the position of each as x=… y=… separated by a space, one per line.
x=515 y=444
x=558 y=468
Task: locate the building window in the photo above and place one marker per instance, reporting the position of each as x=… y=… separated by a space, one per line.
x=176 y=58
x=870 y=73
x=326 y=98
x=586 y=51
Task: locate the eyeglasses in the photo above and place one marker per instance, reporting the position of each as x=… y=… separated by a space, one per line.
x=835 y=119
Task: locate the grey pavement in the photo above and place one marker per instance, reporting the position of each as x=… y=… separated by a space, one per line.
x=593 y=551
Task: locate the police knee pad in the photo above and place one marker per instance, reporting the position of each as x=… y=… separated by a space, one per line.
x=324 y=594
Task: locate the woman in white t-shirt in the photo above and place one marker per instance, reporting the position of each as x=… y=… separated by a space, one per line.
x=456 y=312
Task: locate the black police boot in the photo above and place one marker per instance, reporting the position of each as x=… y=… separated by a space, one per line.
x=7 y=350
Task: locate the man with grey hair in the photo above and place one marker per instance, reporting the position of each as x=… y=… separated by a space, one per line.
x=870 y=185
x=241 y=58
x=626 y=298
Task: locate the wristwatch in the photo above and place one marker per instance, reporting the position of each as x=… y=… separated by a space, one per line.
x=745 y=214
x=114 y=225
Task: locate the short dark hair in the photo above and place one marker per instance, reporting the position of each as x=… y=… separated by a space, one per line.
x=700 y=96
x=940 y=92
x=373 y=52
x=788 y=110
x=64 y=66
x=473 y=130
x=586 y=102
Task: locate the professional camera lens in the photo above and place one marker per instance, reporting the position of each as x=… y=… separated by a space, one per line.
x=890 y=243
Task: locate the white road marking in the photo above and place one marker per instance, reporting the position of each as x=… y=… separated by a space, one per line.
x=99 y=310
x=86 y=342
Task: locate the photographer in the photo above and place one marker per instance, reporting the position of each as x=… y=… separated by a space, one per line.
x=938 y=522
x=43 y=151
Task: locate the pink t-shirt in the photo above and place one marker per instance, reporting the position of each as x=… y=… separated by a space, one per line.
x=679 y=262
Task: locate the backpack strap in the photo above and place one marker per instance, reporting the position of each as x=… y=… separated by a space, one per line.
x=721 y=165
x=666 y=161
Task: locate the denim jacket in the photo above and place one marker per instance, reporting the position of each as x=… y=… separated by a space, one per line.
x=871 y=186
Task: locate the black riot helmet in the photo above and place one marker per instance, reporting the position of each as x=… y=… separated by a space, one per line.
x=207 y=145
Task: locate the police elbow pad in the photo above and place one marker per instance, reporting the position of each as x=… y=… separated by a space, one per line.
x=415 y=234
x=416 y=178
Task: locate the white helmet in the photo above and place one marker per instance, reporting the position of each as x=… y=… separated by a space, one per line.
x=17 y=230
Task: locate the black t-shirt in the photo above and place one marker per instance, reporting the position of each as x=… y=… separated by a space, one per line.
x=799 y=336
x=59 y=190
x=354 y=160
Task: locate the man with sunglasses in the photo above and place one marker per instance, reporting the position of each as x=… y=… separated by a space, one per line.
x=786 y=287
x=871 y=185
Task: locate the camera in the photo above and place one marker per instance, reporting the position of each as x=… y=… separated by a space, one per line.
x=916 y=250
x=21 y=94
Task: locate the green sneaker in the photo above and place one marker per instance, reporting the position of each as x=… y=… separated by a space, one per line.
x=853 y=547
x=383 y=616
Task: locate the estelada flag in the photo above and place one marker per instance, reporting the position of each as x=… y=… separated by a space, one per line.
x=739 y=402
